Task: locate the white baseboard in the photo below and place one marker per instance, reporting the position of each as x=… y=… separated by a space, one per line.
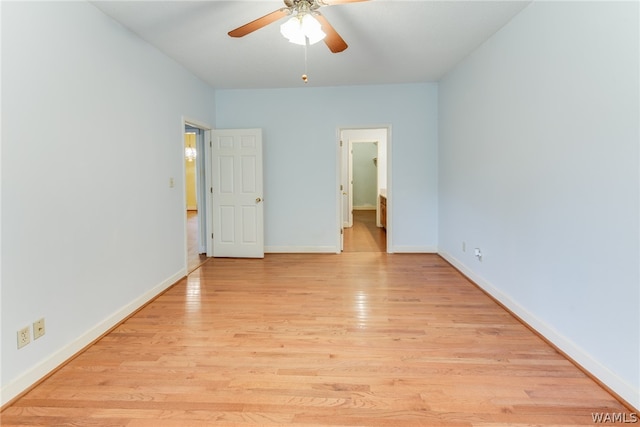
x=618 y=385
x=300 y=249
x=44 y=368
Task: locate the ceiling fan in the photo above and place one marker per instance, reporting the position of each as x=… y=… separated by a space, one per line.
x=306 y=24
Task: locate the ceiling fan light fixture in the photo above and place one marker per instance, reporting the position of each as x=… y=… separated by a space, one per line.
x=292 y=31
x=317 y=28
x=302 y=27
x=312 y=29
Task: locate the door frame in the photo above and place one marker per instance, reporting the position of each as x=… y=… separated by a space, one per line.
x=342 y=157
x=203 y=181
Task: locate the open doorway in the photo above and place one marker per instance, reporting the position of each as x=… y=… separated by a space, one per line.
x=195 y=199
x=364 y=190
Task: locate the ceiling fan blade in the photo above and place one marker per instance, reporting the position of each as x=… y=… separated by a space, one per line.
x=259 y=23
x=332 y=40
x=330 y=2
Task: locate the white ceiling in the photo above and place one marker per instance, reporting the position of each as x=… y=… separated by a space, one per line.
x=389 y=41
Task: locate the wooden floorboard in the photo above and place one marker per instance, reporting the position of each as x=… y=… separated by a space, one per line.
x=194 y=258
x=357 y=339
x=364 y=235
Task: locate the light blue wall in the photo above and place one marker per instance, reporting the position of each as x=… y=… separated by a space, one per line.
x=92 y=132
x=539 y=134
x=365 y=189
x=300 y=131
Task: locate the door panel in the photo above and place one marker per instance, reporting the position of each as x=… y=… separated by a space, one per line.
x=249 y=225
x=225 y=175
x=226 y=224
x=237 y=193
x=249 y=178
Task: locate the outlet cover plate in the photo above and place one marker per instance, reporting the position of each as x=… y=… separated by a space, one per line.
x=38 y=328
x=24 y=337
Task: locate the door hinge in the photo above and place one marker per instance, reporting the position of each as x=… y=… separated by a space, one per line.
x=340 y=143
x=211 y=190
x=341 y=187
x=341 y=231
x=212 y=235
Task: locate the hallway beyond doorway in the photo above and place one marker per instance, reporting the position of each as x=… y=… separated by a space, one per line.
x=365 y=236
x=194 y=259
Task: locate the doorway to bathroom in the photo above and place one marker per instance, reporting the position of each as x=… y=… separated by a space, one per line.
x=364 y=190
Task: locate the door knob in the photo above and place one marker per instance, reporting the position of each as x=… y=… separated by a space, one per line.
x=258 y=199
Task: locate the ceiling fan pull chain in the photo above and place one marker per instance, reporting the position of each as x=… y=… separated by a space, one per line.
x=304 y=76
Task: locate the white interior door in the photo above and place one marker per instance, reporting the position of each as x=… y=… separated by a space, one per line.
x=236 y=165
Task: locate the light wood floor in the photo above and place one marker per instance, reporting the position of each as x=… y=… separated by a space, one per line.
x=364 y=235
x=356 y=339
x=194 y=259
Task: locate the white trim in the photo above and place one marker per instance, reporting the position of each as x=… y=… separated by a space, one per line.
x=364 y=208
x=408 y=249
x=57 y=359
x=299 y=249
x=618 y=385
x=208 y=178
x=194 y=123
x=206 y=128
x=340 y=197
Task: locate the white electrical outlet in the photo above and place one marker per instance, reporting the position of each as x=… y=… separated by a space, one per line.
x=478 y=254
x=38 y=328
x=24 y=337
